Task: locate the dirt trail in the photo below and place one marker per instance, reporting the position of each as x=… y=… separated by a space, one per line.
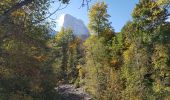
x=69 y=92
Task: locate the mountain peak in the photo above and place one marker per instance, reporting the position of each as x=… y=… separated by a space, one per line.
x=77 y=25
x=68 y=16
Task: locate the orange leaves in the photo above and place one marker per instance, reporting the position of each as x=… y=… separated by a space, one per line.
x=18 y=13
x=114 y=62
x=40 y=58
x=74 y=43
x=82 y=71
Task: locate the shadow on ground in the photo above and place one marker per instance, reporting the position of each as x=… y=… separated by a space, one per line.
x=72 y=97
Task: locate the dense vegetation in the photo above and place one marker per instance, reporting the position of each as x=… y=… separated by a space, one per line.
x=133 y=64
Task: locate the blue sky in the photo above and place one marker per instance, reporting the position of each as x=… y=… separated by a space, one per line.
x=120 y=11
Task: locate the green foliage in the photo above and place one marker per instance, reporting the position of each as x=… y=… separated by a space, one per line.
x=25 y=71
x=98 y=52
x=143 y=48
x=133 y=64
x=99 y=23
x=138 y=65
x=160 y=60
x=69 y=57
x=148 y=14
x=96 y=66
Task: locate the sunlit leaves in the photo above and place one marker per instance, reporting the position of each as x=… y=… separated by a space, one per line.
x=148 y=14
x=99 y=19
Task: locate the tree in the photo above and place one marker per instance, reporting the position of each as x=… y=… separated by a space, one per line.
x=148 y=14
x=98 y=77
x=99 y=20
x=97 y=67
x=25 y=70
x=69 y=57
x=140 y=36
x=160 y=61
x=13 y=6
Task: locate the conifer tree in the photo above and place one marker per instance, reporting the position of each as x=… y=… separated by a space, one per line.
x=98 y=53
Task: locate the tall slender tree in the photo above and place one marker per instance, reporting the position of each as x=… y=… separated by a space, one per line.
x=99 y=20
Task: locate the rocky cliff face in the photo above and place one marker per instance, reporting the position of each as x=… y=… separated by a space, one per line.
x=77 y=25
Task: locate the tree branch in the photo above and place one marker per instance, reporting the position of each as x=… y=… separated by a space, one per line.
x=13 y=8
x=59 y=8
x=22 y=3
x=85 y=3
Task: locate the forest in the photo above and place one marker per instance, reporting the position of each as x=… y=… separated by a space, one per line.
x=133 y=64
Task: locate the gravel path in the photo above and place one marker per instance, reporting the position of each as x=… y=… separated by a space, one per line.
x=69 y=92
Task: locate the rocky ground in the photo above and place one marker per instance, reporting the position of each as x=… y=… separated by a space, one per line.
x=69 y=92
